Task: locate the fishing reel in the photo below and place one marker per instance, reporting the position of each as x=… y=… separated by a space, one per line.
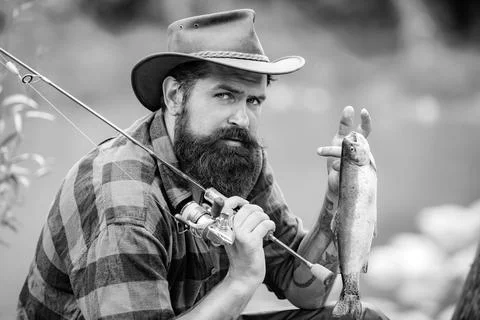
x=207 y=220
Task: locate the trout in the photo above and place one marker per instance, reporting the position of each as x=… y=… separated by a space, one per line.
x=354 y=224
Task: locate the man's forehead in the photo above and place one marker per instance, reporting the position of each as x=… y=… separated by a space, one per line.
x=223 y=73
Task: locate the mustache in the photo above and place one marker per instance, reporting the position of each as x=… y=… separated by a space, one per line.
x=238 y=134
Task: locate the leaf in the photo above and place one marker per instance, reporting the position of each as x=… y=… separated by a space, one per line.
x=24 y=181
x=30 y=156
x=19 y=171
x=40 y=115
x=15 y=13
x=38 y=158
x=16 y=108
x=18 y=121
x=9 y=191
x=15 y=186
x=10 y=223
x=4 y=173
x=26 y=5
x=14 y=138
x=19 y=99
x=42 y=171
x=2 y=125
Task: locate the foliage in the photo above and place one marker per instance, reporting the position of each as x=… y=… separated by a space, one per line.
x=14 y=172
x=16 y=169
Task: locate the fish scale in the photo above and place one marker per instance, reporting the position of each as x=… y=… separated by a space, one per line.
x=354 y=223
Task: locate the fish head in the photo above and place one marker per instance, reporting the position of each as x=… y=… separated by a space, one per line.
x=355 y=148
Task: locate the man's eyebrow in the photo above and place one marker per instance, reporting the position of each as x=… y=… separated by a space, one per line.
x=262 y=97
x=227 y=87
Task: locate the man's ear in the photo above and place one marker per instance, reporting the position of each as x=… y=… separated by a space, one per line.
x=172 y=96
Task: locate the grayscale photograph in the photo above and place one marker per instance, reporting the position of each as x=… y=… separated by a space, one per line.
x=243 y=160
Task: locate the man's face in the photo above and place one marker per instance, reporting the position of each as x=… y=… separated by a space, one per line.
x=216 y=138
x=226 y=100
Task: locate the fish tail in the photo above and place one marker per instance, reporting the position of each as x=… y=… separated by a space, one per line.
x=348 y=304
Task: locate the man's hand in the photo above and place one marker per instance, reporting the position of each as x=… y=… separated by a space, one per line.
x=334 y=152
x=250 y=224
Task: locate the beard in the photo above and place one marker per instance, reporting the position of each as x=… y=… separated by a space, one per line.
x=232 y=170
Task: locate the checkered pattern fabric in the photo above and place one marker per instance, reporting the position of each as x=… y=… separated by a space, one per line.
x=111 y=249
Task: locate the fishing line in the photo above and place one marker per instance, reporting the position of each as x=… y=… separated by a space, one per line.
x=67 y=119
x=71 y=122
x=29 y=83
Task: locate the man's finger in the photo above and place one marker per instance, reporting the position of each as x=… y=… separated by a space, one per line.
x=365 y=127
x=346 y=121
x=217 y=207
x=333 y=181
x=336 y=165
x=263 y=228
x=331 y=151
x=244 y=213
x=253 y=220
x=232 y=203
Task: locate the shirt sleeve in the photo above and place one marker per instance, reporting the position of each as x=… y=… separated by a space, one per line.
x=125 y=276
x=267 y=194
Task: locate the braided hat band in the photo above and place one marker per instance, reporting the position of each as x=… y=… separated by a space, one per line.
x=232 y=54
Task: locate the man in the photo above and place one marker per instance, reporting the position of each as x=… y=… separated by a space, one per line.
x=111 y=247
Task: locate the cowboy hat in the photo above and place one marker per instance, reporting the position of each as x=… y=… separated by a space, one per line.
x=226 y=38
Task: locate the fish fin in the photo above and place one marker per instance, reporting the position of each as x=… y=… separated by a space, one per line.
x=348 y=304
x=333 y=227
x=365 y=267
x=372 y=162
x=333 y=223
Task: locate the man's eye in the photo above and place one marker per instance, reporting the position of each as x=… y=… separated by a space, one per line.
x=224 y=95
x=254 y=101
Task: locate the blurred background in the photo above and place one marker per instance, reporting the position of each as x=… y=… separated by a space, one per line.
x=414 y=64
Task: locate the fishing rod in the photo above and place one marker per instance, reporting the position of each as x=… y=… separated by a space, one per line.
x=205 y=219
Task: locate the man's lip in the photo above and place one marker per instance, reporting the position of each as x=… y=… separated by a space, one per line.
x=233 y=141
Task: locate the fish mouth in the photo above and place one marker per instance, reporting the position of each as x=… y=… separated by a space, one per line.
x=354 y=136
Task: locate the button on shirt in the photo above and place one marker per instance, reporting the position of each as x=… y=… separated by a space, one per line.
x=111 y=249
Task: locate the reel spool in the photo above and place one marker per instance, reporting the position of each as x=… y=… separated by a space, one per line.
x=216 y=228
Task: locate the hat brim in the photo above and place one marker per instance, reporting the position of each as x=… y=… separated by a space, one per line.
x=148 y=74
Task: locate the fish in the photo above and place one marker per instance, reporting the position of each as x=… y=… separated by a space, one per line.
x=354 y=223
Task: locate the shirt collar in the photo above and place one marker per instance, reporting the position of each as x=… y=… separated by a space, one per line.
x=176 y=188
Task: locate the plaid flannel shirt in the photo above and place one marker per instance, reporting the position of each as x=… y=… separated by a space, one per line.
x=111 y=249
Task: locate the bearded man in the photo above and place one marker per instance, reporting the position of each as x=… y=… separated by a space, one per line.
x=111 y=247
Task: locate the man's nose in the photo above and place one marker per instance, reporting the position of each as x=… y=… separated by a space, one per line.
x=240 y=117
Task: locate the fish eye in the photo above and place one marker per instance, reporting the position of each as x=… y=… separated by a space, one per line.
x=352 y=148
